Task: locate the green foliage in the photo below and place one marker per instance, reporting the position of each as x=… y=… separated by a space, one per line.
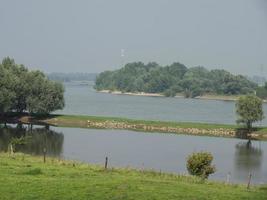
x=7 y=96
x=23 y=90
x=169 y=93
x=262 y=91
x=199 y=164
x=169 y=80
x=249 y=110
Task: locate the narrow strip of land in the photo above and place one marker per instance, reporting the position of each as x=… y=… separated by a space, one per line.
x=27 y=177
x=219 y=130
x=178 y=95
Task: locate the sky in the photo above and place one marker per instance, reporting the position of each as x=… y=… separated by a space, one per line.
x=88 y=35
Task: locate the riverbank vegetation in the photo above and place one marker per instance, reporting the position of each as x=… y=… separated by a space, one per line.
x=22 y=90
x=173 y=79
x=200 y=164
x=27 y=177
x=262 y=91
x=249 y=110
x=200 y=129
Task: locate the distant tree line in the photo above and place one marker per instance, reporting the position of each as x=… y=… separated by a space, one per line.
x=173 y=79
x=22 y=90
x=68 y=77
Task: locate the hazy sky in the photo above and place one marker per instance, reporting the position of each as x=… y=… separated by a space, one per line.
x=88 y=35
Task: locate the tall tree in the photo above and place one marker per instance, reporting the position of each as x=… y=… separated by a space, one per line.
x=7 y=96
x=23 y=90
x=249 y=110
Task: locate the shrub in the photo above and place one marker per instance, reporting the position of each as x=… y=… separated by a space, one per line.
x=199 y=164
x=34 y=171
x=169 y=93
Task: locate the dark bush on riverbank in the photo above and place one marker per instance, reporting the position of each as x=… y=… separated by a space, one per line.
x=22 y=90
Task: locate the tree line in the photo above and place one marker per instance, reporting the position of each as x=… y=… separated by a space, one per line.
x=22 y=90
x=173 y=79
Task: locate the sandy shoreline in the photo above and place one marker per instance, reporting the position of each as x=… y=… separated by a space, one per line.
x=132 y=94
x=205 y=97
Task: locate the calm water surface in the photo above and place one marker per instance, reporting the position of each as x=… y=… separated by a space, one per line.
x=159 y=151
x=84 y=100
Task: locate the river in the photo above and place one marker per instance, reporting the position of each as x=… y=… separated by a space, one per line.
x=84 y=100
x=158 y=151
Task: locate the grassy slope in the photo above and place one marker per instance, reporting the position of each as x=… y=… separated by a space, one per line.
x=26 y=177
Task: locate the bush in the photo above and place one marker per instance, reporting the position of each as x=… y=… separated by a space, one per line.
x=199 y=164
x=34 y=171
x=169 y=93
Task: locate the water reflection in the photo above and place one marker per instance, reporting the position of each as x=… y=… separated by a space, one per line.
x=248 y=158
x=36 y=139
x=164 y=152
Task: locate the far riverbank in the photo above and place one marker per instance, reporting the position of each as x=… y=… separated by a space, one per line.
x=200 y=129
x=205 y=97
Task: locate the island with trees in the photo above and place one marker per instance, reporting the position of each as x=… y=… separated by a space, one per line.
x=174 y=79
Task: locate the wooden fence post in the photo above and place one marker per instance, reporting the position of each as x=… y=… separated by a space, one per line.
x=44 y=151
x=106 y=163
x=228 y=178
x=11 y=149
x=249 y=180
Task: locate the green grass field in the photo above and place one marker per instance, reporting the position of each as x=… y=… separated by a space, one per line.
x=27 y=177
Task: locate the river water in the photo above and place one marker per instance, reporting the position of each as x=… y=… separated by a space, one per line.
x=159 y=151
x=84 y=100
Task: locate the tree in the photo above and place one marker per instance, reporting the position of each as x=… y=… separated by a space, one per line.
x=7 y=96
x=249 y=110
x=199 y=164
x=44 y=96
x=22 y=90
x=262 y=91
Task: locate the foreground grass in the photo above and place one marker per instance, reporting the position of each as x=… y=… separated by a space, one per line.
x=27 y=177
